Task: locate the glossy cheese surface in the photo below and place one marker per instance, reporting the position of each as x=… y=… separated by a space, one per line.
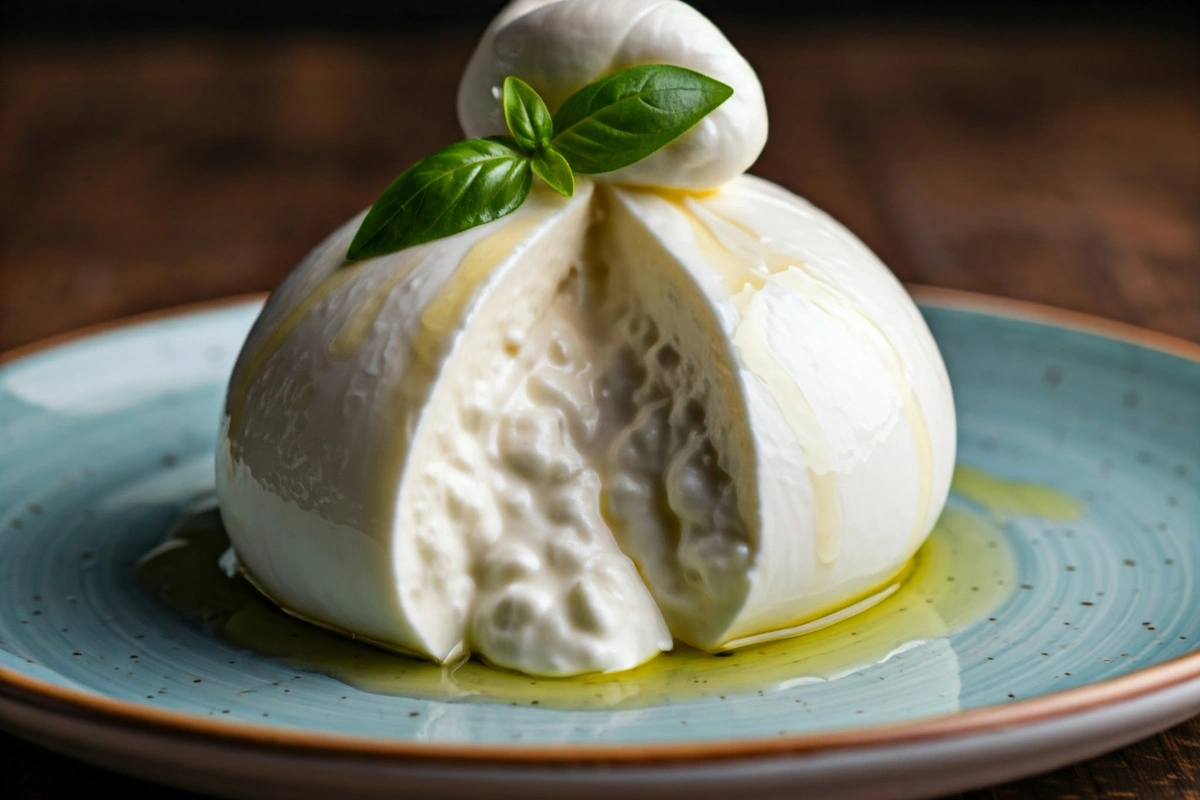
x=564 y=439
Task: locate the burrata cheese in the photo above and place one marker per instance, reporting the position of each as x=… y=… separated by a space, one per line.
x=565 y=439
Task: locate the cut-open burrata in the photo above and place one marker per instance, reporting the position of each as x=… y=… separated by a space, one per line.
x=570 y=437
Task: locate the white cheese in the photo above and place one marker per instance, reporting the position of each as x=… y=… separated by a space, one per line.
x=469 y=445
x=562 y=440
x=560 y=46
x=834 y=413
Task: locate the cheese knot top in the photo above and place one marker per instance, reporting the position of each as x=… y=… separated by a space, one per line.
x=560 y=46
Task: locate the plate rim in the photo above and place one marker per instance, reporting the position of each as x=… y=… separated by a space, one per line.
x=32 y=692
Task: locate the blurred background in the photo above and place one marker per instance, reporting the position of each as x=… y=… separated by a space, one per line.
x=158 y=153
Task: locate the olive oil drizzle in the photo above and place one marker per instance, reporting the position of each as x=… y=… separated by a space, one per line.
x=746 y=276
x=963 y=572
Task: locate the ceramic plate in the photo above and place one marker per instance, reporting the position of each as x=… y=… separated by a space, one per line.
x=1079 y=455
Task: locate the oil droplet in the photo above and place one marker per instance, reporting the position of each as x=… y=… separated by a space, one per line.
x=962 y=573
x=1005 y=497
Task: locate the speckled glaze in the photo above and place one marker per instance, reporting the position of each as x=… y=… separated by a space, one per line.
x=104 y=439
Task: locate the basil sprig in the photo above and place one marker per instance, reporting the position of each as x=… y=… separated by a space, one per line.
x=604 y=127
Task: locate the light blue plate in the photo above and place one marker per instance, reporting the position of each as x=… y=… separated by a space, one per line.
x=104 y=439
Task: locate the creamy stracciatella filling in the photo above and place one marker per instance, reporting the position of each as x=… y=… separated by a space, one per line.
x=519 y=473
x=581 y=441
x=672 y=501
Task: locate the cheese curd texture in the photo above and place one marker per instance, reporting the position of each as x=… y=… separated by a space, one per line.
x=563 y=440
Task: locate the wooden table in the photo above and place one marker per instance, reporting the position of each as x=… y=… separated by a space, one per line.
x=1061 y=167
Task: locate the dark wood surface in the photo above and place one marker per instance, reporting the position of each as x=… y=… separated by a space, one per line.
x=1060 y=166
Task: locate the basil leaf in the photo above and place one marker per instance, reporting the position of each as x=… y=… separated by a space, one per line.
x=550 y=166
x=625 y=117
x=466 y=184
x=527 y=116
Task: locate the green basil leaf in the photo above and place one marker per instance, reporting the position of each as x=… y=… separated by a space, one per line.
x=550 y=166
x=467 y=184
x=625 y=117
x=527 y=116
